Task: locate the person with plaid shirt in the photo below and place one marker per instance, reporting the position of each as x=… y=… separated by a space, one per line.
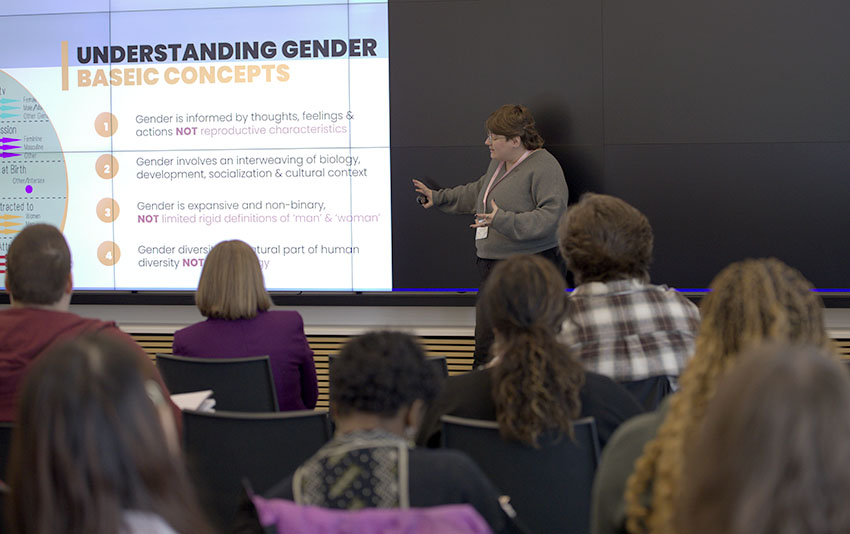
x=618 y=323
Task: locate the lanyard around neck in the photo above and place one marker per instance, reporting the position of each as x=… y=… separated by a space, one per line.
x=493 y=182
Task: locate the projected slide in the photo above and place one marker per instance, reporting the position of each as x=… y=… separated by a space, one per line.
x=151 y=131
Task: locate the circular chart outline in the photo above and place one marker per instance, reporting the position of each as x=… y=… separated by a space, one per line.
x=61 y=150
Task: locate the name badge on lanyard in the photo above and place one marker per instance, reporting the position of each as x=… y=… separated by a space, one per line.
x=482 y=231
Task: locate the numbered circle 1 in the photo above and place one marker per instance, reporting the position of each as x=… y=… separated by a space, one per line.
x=105 y=124
x=108 y=253
x=106 y=166
x=107 y=210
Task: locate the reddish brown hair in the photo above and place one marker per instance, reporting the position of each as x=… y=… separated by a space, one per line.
x=515 y=120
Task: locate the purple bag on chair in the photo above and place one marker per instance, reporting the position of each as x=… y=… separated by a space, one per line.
x=292 y=518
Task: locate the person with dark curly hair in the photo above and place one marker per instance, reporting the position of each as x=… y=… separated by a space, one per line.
x=534 y=384
x=379 y=387
x=516 y=203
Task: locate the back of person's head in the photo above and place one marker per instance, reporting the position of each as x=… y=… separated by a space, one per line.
x=380 y=373
x=754 y=300
x=771 y=456
x=232 y=285
x=536 y=380
x=94 y=439
x=38 y=265
x=751 y=302
x=603 y=238
x=515 y=120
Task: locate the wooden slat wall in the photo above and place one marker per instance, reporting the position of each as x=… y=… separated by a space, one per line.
x=457 y=350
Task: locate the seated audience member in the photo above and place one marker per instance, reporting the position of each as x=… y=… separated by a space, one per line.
x=750 y=302
x=38 y=279
x=95 y=447
x=233 y=297
x=618 y=324
x=771 y=456
x=380 y=384
x=533 y=384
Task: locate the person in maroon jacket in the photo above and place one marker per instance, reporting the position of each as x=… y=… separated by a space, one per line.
x=39 y=283
x=232 y=296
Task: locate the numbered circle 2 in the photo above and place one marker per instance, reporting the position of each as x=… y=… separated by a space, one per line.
x=106 y=166
x=108 y=253
x=105 y=124
x=107 y=210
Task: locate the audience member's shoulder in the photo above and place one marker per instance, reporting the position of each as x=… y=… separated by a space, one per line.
x=670 y=294
x=478 y=376
x=448 y=464
x=464 y=395
x=281 y=316
x=67 y=321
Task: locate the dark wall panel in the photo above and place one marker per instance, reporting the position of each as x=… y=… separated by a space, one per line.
x=727 y=123
x=451 y=64
x=711 y=204
x=726 y=71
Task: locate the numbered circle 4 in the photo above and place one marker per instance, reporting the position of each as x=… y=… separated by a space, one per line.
x=108 y=253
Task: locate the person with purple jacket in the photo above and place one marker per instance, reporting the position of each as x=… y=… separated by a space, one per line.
x=232 y=296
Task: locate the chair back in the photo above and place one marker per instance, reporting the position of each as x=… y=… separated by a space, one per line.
x=238 y=384
x=286 y=517
x=649 y=392
x=6 y=429
x=549 y=487
x=223 y=448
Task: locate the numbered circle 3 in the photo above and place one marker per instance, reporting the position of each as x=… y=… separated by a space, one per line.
x=107 y=210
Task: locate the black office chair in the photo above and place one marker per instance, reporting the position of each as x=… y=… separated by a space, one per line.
x=6 y=429
x=238 y=384
x=649 y=392
x=549 y=487
x=223 y=448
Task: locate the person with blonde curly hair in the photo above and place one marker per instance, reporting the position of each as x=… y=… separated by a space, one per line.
x=750 y=302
